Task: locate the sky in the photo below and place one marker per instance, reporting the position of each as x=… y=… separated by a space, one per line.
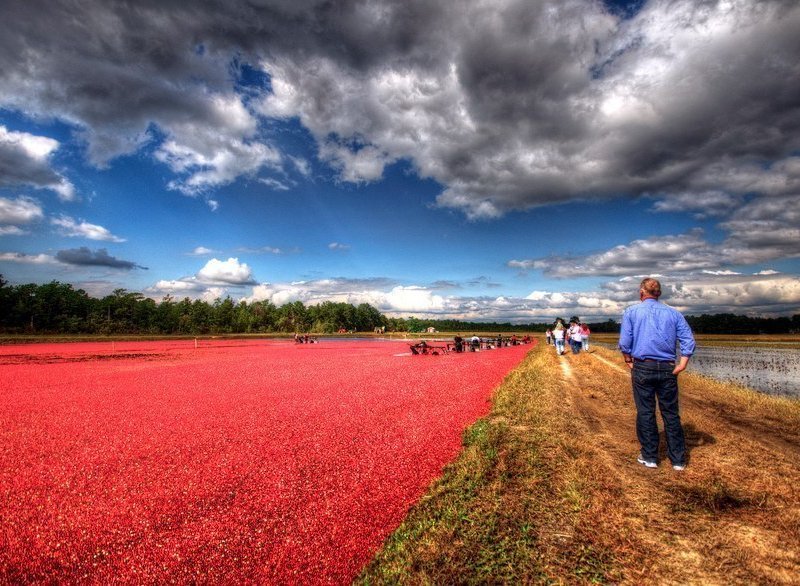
x=511 y=160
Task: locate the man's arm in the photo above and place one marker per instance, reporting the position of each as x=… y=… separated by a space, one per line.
x=685 y=336
x=626 y=339
x=681 y=365
x=687 y=343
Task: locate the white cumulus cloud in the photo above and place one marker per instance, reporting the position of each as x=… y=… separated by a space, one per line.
x=230 y=272
x=18 y=212
x=82 y=229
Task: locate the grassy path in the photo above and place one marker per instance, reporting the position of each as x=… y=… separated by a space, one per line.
x=547 y=489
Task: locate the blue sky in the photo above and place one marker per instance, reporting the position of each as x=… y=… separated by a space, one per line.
x=506 y=161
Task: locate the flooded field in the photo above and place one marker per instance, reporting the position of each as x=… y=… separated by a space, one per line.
x=772 y=370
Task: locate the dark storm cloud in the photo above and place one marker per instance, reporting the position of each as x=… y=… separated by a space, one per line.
x=83 y=256
x=18 y=168
x=25 y=161
x=509 y=104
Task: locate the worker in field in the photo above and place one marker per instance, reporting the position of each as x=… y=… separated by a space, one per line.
x=647 y=339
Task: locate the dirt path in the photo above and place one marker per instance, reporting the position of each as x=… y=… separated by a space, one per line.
x=733 y=516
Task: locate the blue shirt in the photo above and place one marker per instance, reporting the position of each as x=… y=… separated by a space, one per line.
x=650 y=330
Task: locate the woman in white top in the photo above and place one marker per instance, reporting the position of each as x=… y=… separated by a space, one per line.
x=558 y=338
x=575 y=337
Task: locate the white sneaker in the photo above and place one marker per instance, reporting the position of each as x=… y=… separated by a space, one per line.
x=646 y=463
x=679 y=467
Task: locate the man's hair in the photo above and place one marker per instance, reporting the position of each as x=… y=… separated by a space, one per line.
x=652 y=287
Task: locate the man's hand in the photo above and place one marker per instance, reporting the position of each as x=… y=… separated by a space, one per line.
x=681 y=366
x=628 y=361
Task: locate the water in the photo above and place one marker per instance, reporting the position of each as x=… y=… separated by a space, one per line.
x=771 y=370
x=775 y=371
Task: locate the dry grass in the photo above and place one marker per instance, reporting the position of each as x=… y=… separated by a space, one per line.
x=547 y=489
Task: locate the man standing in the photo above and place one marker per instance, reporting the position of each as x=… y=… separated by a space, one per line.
x=647 y=340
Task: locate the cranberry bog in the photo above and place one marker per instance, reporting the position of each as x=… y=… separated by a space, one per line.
x=256 y=461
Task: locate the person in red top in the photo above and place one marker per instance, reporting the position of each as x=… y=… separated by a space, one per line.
x=585 y=336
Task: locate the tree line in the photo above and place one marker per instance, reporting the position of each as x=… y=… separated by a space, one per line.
x=59 y=308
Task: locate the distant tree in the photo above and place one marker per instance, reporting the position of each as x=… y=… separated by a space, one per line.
x=222 y=315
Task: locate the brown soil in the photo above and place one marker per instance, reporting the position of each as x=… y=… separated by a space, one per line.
x=733 y=516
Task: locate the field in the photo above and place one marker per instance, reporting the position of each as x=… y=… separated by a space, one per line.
x=258 y=461
x=548 y=490
x=770 y=364
x=268 y=462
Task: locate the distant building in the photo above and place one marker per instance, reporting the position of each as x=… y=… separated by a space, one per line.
x=431 y=330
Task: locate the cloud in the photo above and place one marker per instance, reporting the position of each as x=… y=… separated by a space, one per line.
x=186 y=287
x=82 y=229
x=211 y=294
x=726 y=272
x=179 y=285
x=766 y=294
x=672 y=253
x=301 y=165
x=762 y=230
x=230 y=272
x=274 y=184
x=210 y=282
x=507 y=105
x=201 y=251
x=694 y=293
x=216 y=150
x=338 y=246
x=396 y=299
x=269 y=250
x=701 y=204
x=13 y=212
x=520 y=105
x=25 y=160
x=83 y=256
x=414 y=300
x=20 y=257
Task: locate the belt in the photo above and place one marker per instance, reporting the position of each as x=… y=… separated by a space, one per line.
x=654 y=360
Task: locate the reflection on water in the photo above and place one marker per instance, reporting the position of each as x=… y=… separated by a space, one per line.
x=771 y=370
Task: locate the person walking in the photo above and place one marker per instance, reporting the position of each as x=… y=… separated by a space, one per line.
x=575 y=337
x=558 y=338
x=647 y=340
x=585 y=336
x=548 y=336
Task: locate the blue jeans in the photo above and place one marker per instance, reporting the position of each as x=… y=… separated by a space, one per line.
x=559 y=346
x=576 y=346
x=651 y=381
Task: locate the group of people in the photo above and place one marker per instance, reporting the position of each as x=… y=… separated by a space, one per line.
x=475 y=343
x=472 y=344
x=576 y=335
